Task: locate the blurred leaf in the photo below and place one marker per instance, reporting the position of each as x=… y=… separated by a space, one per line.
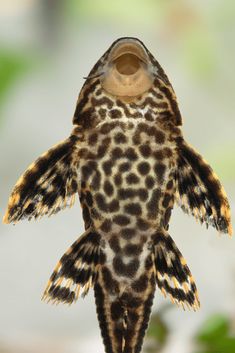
x=129 y=11
x=215 y=336
x=199 y=52
x=12 y=66
x=221 y=157
x=158 y=331
x=214 y=328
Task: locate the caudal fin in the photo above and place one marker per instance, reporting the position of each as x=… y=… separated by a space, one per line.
x=76 y=271
x=173 y=276
x=124 y=313
x=48 y=185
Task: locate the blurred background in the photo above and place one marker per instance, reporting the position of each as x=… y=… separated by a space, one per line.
x=46 y=48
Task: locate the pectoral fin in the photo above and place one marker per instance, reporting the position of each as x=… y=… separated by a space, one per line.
x=48 y=185
x=199 y=191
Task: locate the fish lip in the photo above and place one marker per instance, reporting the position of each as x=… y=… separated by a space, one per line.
x=128 y=46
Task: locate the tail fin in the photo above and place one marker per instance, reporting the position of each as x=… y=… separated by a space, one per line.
x=124 y=315
x=173 y=276
x=76 y=270
x=48 y=185
x=200 y=191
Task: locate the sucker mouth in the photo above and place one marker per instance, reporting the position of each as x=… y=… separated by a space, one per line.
x=127 y=72
x=127 y=64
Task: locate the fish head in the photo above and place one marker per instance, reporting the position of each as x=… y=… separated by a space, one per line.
x=127 y=71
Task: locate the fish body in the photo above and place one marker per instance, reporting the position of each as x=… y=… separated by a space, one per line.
x=128 y=161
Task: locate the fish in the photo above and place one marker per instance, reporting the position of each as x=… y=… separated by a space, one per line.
x=129 y=163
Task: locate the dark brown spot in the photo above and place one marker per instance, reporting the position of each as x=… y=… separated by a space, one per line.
x=148 y=263
x=132 y=249
x=106 y=128
x=141 y=284
x=107 y=167
x=93 y=138
x=130 y=154
x=113 y=206
x=143 y=168
x=126 y=193
x=132 y=178
x=117 y=153
x=118 y=179
x=104 y=101
x=74 y=185
x=106 y=141
x=106 y=226
x=128 y=233
x=120 y=138
x=142 y=224
x=115 y=114
x=143 y=194
x=167 y=152
x=160 y=169
x=145 y=151
x=86 y=215
x=86 y=172
x=116 y=311
x=166 y=200
x=127 y=270
x=89 y=199
x=163 y=105
x=169 y=185
x=100 y=200
x=101 y=151
x=121 y=220
x=108 y=188
x=102 y=112
x=159 y=136
x=95 y=183
x=167 y=216
x=159 y=155
x=148 y=116
x=124 y=167
x=110 y=284
x=98 y=92
x=133 y=209
x=114 y=244
x=153 y=203
x=149 y=182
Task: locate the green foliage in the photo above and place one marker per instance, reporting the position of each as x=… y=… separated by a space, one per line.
x=215 y=336
x=199 y=53
x=12 y=66
x=158 y=332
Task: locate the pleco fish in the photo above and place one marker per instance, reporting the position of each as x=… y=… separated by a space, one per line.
x=129 y=163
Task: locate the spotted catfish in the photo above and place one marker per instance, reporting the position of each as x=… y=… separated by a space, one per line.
x=129 y=163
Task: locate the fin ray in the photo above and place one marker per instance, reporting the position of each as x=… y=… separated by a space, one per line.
x=47 y=186
x=173 y=276
x=199 y=191
x=76 y=271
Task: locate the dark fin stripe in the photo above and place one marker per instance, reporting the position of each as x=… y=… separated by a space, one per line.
x=48 y=185
x=123 y=317
x=138 y=314
x=199 y=191
x=76 y=271
x=104 y=317
x=173 y=276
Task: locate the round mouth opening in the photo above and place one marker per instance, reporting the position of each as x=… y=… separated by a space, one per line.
x=127 y=64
